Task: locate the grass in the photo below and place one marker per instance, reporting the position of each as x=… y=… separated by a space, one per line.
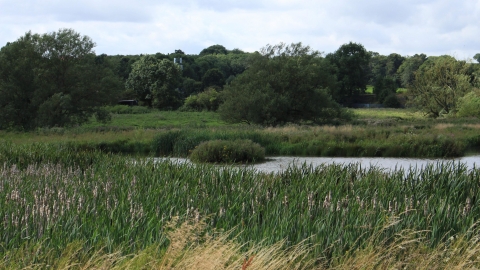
x=64 y=202
x=373 y=132
x=157 y=119
x=369 y=90
x=388 y=113
x=407 y=250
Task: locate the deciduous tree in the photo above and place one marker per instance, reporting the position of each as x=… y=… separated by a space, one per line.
x=52 y=80
x=155 y=82
x=283 y=83
x=438 y=85
x=351 y=61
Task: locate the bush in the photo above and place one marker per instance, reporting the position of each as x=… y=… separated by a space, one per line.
x=221 y=151
x=391 y=101
x=205 y=101
x=469 y=105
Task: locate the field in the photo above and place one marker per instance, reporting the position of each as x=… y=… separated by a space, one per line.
x=60 y=202
x=372 y=132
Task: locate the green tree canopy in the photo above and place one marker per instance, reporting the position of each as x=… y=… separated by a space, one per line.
x=214 y=49
x=213 y=77
x=469 y=105
x=406 y=71
x=384 y=87
x=52 y=80
x=283 y=83
x=439 y=83
x=351 y=61
x=155 y=82
x=477 y=57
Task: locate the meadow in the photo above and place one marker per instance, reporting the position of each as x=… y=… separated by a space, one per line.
x=69 y=208
x=371 y=133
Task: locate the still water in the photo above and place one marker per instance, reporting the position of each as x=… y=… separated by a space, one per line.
x=277 y=164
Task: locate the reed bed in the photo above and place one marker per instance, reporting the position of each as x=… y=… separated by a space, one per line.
x=54 y=196
x=343 y=141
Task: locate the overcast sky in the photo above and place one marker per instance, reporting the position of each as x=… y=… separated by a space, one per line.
x=148 y=26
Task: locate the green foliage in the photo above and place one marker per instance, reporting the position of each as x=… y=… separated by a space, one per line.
x=351 y=61
x=383 y=87
x=213 y=77
x=285 y=83
x=57 y=196
x=214 y=49
x=52 y=79
x=220 y=151
x=155 y=82
x=391 y=101
x=438 y=84
x=406 y=71
x=190 y=86
x=469 y=105
x=383 y=66
x=208 y=100
x=477 y=57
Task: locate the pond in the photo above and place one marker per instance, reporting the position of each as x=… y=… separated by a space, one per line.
x=278 y=164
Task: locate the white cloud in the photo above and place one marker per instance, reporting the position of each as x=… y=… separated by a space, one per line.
x=146 y=26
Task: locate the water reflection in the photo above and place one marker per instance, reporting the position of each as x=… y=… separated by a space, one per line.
x=277 y=164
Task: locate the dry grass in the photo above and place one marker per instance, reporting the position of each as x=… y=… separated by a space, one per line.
x=443 y=126
x=191 y=247
x=474 y=126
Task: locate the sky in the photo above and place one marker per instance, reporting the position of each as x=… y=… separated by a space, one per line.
x=125 y=27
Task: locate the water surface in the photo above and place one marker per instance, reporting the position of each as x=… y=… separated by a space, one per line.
x=278 y=164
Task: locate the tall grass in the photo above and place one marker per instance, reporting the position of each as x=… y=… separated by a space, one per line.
x=57 y=196
x=191 y=248
x=346 y=141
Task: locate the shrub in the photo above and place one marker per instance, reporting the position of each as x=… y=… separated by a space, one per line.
x=221 y=151
x=469 y=105
x=205 y=101
x=391 y=101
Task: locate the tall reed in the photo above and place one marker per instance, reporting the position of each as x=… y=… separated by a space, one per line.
x=57 y=195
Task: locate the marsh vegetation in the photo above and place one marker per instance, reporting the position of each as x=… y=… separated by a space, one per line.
x=56 y=200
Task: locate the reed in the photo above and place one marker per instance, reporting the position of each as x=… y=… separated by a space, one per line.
x=58 y=194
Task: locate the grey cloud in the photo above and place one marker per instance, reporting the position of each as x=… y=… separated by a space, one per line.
x=71 y=11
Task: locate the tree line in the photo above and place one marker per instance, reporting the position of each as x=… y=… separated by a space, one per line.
x=56 y=79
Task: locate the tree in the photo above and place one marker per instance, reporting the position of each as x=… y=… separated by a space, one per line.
x=438 y=85
x=17 y=83
x=393 y=62
x=351 y=61
x=469 y=105
x=406 y=71
x=283 y=83
x=477 y=57
x=384 y=87
x=213 y=77
x=214 y=49
x=376 y=66
x=155 y=82
x=52 y=79
x=207 y=100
